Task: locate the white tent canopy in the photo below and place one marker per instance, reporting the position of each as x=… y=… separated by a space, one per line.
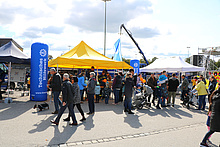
x=171 y=64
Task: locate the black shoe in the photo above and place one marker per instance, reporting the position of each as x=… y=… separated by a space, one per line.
x=172 y=105
x=90 y=113
x=55 y=112
x=53 y=122
x=83 y=119
x=73 y=124
x=203 y=145
x=66 y=119
x=125 y=110
x=164 y=106
x=130 y=112
x=158 y=107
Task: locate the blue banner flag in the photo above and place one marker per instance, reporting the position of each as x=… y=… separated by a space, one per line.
x=117 y=47
x=39 y=65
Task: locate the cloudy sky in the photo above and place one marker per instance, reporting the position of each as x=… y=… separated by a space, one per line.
x=160 y=27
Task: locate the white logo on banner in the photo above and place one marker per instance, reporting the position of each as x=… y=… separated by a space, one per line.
x=43 y=52
x=135 y=64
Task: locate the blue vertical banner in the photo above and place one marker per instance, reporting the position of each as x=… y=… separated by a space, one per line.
x=117 y=47
x=39 y=66
x=135 y=64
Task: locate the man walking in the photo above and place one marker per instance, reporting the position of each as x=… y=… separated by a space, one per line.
x=117 y=83
x=56 y=88
x=184 y=87
x=68 y=94
x=91 y=91
x=152 y=82
x=173 y=83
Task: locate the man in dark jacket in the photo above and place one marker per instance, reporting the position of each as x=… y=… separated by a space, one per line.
x=212 y=85
x=56 y=88
x=173 y=83
x=2 y=78
x=129 y=84
x=117 y=83
x=152 y=82
x=68 y=94
x=184 y=86
x=90 y=93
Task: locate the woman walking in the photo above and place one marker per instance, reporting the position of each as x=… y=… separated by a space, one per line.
x=215 y=117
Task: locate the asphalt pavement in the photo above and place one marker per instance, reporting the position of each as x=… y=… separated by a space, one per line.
x=21 y=125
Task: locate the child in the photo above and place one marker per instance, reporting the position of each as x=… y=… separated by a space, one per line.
x=208 y=120
x=158 y=95
x=138 y=90
x=106 y=92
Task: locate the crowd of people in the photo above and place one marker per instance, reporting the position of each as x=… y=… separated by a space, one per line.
x=164 y=88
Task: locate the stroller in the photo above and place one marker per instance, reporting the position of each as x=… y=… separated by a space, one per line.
x=140 y=98
x=188 y=98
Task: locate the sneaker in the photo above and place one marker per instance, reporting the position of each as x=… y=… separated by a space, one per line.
x=172 y=105
x=203 y=145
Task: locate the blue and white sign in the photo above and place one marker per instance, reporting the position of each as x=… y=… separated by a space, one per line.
x=39 y=64
x=135 y=64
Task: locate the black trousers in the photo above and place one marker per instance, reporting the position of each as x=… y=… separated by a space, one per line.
x=0 y=91
x=78 y=106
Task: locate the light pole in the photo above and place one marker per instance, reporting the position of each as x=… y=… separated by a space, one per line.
x=105 y=27
x=188 y=51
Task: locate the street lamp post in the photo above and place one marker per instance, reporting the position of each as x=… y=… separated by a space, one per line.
x=188 y=51
x=105 y=27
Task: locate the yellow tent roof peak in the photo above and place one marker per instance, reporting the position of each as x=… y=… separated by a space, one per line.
x=84 y=51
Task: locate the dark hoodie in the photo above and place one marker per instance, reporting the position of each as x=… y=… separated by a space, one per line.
x=173 y=83
x=117 y=82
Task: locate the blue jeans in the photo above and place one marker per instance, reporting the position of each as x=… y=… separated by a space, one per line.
x=106 y=99
x=116 y=93
x=202 y=102
x=159 y=101
x=57 y=101
x=208 y=134
x=81 y=94
x=127 y=103
x=163 y=100
x=183 y=94
x=71 y=112
x=91 y=103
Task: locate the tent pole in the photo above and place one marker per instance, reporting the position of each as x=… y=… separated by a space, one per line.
x=9 y=77
x=57 y=68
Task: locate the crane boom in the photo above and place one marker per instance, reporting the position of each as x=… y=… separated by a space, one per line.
x=130 y=35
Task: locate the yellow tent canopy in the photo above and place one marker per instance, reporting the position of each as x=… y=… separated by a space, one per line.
x=83 y=56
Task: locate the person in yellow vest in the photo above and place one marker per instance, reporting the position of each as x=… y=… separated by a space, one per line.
x=202 y=92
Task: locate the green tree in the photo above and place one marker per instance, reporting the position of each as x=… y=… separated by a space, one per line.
x=50 y=57
x=187 y=60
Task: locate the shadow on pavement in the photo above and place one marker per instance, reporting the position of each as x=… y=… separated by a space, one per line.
x=132 y=120
x=89 y=124
x=14 y=110
x=42 y=125
x=64 y=136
